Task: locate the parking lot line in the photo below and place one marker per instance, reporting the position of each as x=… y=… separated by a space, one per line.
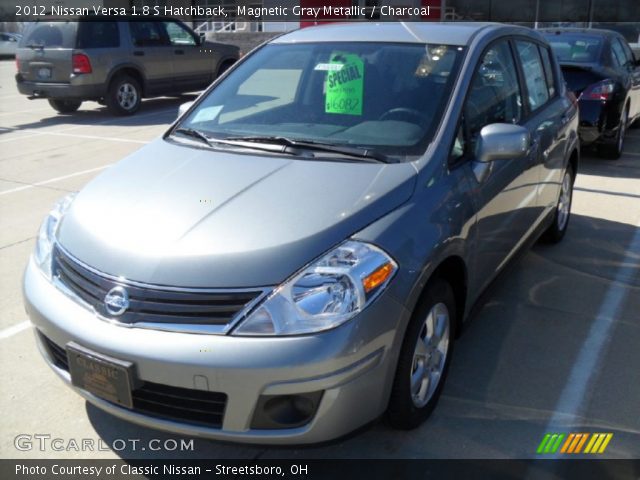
x=51 y=180
x=35 y=133
x=585 y=366
x=11 y=331
x=92 y=137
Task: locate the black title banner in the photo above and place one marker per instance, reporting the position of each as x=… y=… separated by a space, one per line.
x=320 y=469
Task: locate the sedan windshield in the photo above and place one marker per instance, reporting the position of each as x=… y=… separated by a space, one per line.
x=387 y=98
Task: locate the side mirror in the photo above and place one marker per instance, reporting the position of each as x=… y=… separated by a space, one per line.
x=183 y=108
x=502 y=141
x=202 y=36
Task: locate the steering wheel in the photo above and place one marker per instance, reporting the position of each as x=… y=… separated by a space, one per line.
x=403 y=112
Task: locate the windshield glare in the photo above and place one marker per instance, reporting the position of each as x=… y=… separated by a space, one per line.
x=389 y=97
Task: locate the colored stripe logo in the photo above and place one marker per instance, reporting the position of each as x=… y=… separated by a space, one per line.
x=574 y=443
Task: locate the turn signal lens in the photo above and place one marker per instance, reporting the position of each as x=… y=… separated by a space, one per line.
x=81 y=63
x=377 y=278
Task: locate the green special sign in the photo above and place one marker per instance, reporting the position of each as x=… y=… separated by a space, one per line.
x=345 y=85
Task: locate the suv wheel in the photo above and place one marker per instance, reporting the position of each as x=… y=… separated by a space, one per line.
x=558 y=228
x=424 y=358
x=65 y=106
x=613 y=150
x=124 y=95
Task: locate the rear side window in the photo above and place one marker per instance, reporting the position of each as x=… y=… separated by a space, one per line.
x=147 y=34
x=548 y=70
x=50 y=35
x=534 y=76
x=98 y=35
x=619 y=52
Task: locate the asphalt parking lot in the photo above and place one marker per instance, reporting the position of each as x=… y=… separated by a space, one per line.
x=554 y=348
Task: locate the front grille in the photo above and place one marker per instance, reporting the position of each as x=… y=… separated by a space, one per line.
x=185 y=405
x=151 y=304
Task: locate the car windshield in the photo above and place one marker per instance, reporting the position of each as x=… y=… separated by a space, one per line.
x=575 y=48
x=383 y=96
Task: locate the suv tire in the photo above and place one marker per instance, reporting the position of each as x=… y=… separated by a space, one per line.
x=424 y=359
x=124 y=95
x=64 y=105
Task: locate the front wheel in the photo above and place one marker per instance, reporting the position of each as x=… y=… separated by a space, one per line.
x=124 y=95
x=558 y=228
x=424 y=359
x=65 y=106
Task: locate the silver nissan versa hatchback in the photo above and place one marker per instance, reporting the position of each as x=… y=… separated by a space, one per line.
x=296 y=255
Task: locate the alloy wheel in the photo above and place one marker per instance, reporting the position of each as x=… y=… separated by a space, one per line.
x=430 y=355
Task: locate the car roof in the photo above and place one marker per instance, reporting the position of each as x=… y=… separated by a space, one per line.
x=594 y=32
x=449 y=33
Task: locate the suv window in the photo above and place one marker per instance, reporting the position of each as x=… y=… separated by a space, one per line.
x=178 y=35
x=98 y=35
x=548 y=70
x=147 y=34
x=494 y=95
x=537 y=88
x=50 y=35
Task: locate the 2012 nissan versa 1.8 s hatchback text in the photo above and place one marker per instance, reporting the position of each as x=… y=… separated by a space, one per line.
x=296 y=255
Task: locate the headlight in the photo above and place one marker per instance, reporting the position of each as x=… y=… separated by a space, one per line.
x=324 y=295
x=46 y=235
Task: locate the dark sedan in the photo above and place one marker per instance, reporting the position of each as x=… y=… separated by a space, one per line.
x=603 y=73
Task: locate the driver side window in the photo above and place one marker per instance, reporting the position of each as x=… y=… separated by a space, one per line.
x=494 y=95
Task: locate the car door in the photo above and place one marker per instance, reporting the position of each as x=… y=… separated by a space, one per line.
x=505 y=190
x=150 y=48
x=547 y=120
x=633 y=68
x=192 y=64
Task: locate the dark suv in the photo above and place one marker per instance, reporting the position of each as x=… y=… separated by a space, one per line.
x=115 y=63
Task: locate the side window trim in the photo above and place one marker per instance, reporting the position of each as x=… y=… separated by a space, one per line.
x=527 y=107
x=544 y=52
x=462 y=123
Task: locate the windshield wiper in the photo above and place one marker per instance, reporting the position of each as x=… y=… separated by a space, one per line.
x=33 y=46
x=360 y=152
x=192 y=132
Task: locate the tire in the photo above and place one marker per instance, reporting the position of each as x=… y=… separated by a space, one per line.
x=65 y=106
x=409 y=407
x=226 y=65
x=124 y=95
x=555 y=233
x=614 y=149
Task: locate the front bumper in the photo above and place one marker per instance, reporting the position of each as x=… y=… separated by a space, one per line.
x=353 y=365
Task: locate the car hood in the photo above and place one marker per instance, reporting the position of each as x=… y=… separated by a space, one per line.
x=182 y=216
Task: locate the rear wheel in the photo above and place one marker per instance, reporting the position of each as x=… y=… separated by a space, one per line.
x=124 y=95
x=558 y=228
x=613 y=150
x=65 y=106
x=424 y=359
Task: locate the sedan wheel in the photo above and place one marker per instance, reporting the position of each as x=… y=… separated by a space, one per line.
x=558 y=228
x=425 y=356
x=429 y=355
x=614 y=150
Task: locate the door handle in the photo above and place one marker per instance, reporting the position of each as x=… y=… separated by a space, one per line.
x=179 y=52
x=138 y=53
